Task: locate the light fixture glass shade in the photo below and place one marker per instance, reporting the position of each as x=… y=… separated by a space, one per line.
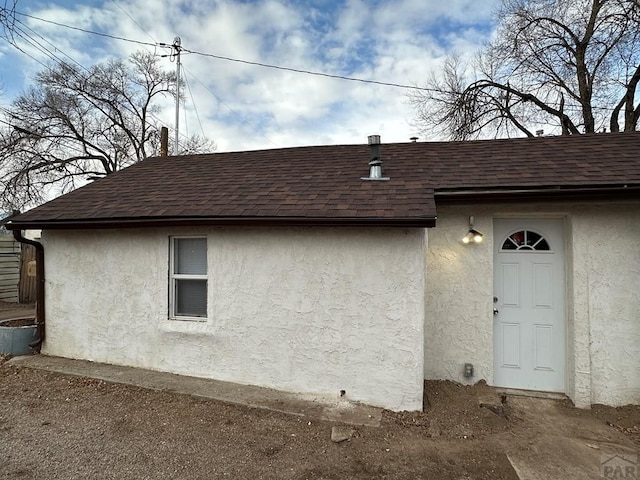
x=472 y=236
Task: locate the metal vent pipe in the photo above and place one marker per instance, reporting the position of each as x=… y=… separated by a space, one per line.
x=375 y=163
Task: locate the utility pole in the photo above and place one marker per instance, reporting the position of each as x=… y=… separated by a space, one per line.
x=177 y=48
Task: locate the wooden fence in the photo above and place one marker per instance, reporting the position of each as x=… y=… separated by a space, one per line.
x=27 y=284
x=15 y=283
x=9 y=268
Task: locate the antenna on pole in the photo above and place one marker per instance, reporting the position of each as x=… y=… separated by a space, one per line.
x=177 y=48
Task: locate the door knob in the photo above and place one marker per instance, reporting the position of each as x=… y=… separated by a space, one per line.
x=496 y=311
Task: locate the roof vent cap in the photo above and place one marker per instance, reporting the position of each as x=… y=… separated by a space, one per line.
x=375 y=164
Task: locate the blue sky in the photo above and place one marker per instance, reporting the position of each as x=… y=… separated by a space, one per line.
x=244 y=107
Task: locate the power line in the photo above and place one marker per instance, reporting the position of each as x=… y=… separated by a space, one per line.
x=309 y=72
x=133 y=20
x=27 y=54
x=114 y=37
x=195 y=108
x=144 y=43
x=171 y=58
x=181 y=67
x=237 y=60
x=46 y=51
x=52 y=56
x=239 y=115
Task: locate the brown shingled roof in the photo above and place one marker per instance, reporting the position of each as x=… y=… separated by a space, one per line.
x=322 y=184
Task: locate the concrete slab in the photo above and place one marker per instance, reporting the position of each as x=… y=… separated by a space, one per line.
x=530 y=393
x=569 y=448
x=255 y=397
x=553 y=458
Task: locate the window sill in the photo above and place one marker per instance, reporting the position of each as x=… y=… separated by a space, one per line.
x=184 y=325
x=188 y=319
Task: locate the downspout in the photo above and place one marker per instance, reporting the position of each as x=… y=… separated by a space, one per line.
x=17 y=234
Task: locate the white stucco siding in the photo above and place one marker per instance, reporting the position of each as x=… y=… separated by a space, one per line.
x=102 y=294
x=459 y=324
x=309 y=310
x=602 y=296
x=607 y=263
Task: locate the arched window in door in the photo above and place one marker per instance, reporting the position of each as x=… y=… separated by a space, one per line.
x=525 y=240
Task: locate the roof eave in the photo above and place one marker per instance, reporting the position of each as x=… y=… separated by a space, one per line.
x=74 y=224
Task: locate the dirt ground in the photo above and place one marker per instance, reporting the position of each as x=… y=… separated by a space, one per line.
x=60 y=427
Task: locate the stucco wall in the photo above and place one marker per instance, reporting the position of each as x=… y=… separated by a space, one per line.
x=314 y=310
x=459 y=324
x=603 y=296
x=607 y=290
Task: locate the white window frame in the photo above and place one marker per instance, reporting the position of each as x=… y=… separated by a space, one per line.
x=180 y=276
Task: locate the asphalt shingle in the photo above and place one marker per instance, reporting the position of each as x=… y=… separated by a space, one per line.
x=323 y=183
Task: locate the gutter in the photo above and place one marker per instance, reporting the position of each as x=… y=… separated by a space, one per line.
x=526 y=194
x=403 y=222
x=17 y=234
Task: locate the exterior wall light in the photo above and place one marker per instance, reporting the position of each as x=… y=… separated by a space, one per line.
x=472 y=236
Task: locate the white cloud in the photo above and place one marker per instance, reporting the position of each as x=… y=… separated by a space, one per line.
x=245 y=107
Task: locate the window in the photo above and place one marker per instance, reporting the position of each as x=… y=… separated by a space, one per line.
x=525 y=240
x=188 y=278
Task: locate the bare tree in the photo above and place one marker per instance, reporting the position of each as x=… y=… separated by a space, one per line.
x=572 y=65
x=76 y=125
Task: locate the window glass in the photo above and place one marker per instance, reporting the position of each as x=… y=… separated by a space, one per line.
x=525 y=240
x=532 y=238
x=190 y=256
x=509 y=245
x=191 y=298
x=542 y=245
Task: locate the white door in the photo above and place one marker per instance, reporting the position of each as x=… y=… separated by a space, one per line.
x=529 y=304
